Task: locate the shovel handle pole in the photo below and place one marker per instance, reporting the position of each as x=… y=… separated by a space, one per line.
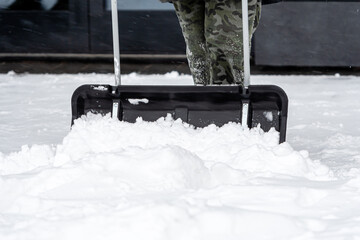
x=246 y=43
x=116 y=42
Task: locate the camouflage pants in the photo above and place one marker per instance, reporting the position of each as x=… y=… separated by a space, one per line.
x=213 y=34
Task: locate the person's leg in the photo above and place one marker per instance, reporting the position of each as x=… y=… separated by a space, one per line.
x=191 y=15
x=223 y=33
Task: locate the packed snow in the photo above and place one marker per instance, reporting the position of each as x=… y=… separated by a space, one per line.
x=106 y=179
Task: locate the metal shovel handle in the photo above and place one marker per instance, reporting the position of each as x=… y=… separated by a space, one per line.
x=116 y=42
x=246 y=43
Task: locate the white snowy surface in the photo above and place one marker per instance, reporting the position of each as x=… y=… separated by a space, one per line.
x=106 y=179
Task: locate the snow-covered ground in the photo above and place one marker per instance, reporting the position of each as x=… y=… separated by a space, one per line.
x=106 y=179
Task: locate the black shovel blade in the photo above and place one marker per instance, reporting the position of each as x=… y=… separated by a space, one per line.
x=199 y=106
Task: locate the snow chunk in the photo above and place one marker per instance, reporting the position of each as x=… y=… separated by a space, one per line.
x=135 y=101
x=11 y=73
x=269 y=116
x=100 y=88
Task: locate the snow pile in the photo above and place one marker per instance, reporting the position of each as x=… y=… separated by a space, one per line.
x=160 y=180
x=168 y=145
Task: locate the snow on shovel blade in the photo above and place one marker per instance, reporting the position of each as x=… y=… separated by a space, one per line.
x=264 y=105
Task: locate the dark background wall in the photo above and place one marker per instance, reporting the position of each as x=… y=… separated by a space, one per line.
x=309 y=34
x=27 y=27
x=290 y=34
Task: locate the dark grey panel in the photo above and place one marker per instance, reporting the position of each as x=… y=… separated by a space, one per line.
x=141 y=32
x=39 y=31
x=140 y=5
x=309 y=34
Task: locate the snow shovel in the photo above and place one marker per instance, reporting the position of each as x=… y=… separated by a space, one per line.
x=251 y=105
